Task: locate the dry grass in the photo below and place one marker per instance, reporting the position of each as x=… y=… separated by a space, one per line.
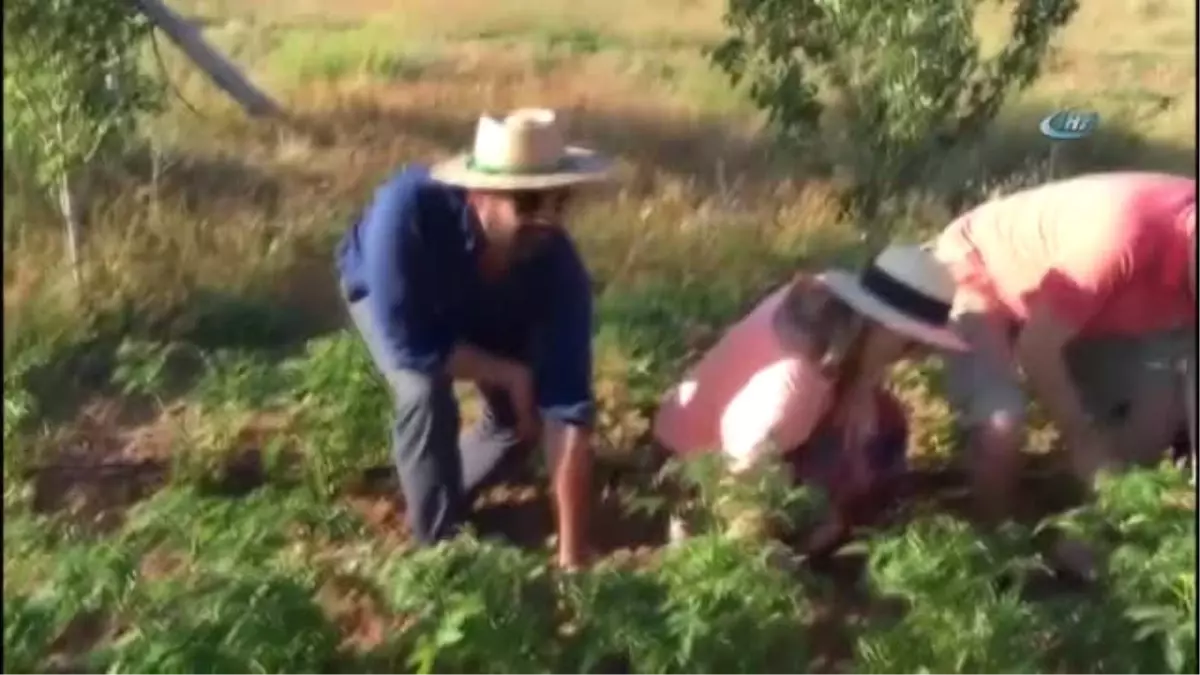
x=246 y=209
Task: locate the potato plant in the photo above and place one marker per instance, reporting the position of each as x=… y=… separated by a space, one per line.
x=210 y=398
x=960 y=602
x=711 y=604
x=473 y=606
x=1142 y=528
x=726 y=607
x=344 y=408
x=716 y=500
x=196 y=580
x=254 y=530
x=236 y=622
x=622 y=410
x=616 y=618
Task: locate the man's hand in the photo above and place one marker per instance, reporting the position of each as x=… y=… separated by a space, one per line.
x=468 y=362
x=521 y=396
x=850 y=480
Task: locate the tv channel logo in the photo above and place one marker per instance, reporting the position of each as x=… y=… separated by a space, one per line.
x=1069 y=125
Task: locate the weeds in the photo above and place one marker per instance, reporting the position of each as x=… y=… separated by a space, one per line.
x=20 y=408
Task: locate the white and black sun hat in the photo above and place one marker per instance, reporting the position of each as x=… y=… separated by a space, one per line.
x=904 y=289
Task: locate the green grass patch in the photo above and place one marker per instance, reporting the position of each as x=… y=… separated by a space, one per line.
x=374 y=50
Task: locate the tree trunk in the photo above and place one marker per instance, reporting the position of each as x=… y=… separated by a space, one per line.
x=69 y=207
x=222 y=73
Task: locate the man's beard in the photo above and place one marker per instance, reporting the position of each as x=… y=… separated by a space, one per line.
x=531 y=240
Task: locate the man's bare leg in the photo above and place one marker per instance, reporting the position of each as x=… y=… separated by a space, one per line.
x=995 y=447
x=1148 y=377
x=983 y=388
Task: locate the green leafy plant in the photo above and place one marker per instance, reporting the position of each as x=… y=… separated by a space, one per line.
x=226 y=378
x=711 y=605
x=254 y=530
x=719 y=498
x=653 y=322
x=73 y=87
x=961 y=604
x=933 y=432
x=344 y=409
x=20 y=408
x=243 y=622
x=1141 y=525
x=142 y=367
x=29 y=627
x=906 y=79
x=730 y=608
x=242 y=379
x=57 y=587
x=474 y=606
x=616 y=618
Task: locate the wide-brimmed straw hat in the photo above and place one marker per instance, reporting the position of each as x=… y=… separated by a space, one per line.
x=523 y=151
x=906 y=290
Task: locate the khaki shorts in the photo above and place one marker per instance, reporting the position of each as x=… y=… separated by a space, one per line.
x=1109 y=373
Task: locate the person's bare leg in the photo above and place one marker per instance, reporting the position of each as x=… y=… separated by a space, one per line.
x=995 y=447
x=1146 y=376
x=984 y=390
x=1153 y=422
x=1157 y=412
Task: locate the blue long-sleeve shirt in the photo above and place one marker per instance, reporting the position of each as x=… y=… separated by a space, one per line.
x=412 y=257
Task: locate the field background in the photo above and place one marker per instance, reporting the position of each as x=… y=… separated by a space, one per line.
x=207 y=357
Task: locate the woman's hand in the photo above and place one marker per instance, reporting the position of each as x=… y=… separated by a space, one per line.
x=861 y=425
x=827 y=535
x=851 y=482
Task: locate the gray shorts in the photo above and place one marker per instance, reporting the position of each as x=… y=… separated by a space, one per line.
x=1109 y=372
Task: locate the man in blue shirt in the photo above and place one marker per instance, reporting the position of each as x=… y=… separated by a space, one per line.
x=463 y=272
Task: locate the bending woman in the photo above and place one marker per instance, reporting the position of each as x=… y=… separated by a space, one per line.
x=801 y=378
